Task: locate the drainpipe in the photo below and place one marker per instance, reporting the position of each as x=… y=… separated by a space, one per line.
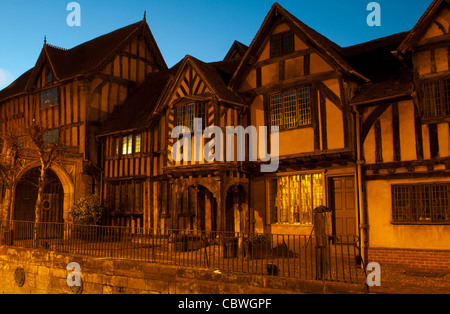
x=359 y=163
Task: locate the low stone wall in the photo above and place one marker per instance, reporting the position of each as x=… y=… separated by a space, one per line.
x=45 y=273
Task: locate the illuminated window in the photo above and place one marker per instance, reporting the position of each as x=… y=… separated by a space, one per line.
x=138 y=143
x=295 y=198
x=291 y=108
x=127 y=145
x=420 y=203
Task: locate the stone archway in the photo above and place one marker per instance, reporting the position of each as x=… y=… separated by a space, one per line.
x=196 y=209
x=62 y=186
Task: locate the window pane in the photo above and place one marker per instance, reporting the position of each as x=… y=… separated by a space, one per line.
x=295 y=215
x=288 y=43
x=283 y=199
x=304 y=106
x=446 y=104
x=290 y=109
x=440 y=203
x=276 y=110
x=201 y=114
x=190 y=116
x=181 y=116
x=137 y=145
x=49 y=97
x=317 y=181
x=401 y=203
x=432 y=100
x=124 y=145
x=276 y=46
x=306 y=200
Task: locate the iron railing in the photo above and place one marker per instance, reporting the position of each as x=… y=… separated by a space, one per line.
x=334 y=258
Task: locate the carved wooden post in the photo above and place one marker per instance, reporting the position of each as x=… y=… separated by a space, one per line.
x=322 y=232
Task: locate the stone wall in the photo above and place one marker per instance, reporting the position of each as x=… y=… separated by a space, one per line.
x=45 y=273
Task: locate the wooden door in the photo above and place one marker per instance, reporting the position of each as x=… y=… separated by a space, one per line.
x=342 y=192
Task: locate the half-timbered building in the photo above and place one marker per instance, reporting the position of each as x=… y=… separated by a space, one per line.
x=404 y=139
x=363 y=130
x=71 y=92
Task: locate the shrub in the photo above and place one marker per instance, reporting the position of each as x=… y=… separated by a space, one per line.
x=87 y=211
x=259 y=238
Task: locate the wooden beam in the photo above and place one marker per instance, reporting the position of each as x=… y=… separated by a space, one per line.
x=370 y=120
x=323 y=119
x=396 y=132
x=116 y=80
x=434 y=141
x=329 y=94
x=378 y=143
x=295 y=82
x=293 y=55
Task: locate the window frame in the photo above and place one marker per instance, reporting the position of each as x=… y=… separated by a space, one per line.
x=199 y=111
x=284 y=49
x=298 y=105
x=118 y=147
x=444 y=98
x=120 y=190
x=275 y=212
x=415 y=196
x=52 y=92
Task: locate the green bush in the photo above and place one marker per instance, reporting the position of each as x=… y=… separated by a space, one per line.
x=87 y=211
x=259 y=238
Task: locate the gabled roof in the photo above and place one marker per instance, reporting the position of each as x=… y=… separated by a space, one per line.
x=238 y=49
x=326 y=47
x=216 y=76
x=421 y=26
x=82 y=59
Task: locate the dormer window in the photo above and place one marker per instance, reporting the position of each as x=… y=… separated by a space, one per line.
x=281 y=44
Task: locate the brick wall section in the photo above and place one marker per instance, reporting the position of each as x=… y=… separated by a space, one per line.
x=421 y=260
x=45 y=273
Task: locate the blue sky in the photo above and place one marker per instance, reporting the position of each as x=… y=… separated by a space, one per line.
x=202 y=28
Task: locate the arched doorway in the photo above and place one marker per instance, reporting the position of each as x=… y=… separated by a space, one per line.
x=196 y=209
x=26 y=195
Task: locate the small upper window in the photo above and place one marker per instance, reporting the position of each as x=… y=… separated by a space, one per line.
x=49 y=77
x=436 y=98
x=49 y=97
x=186 y=115
x=281 y=44
x=138 y=143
